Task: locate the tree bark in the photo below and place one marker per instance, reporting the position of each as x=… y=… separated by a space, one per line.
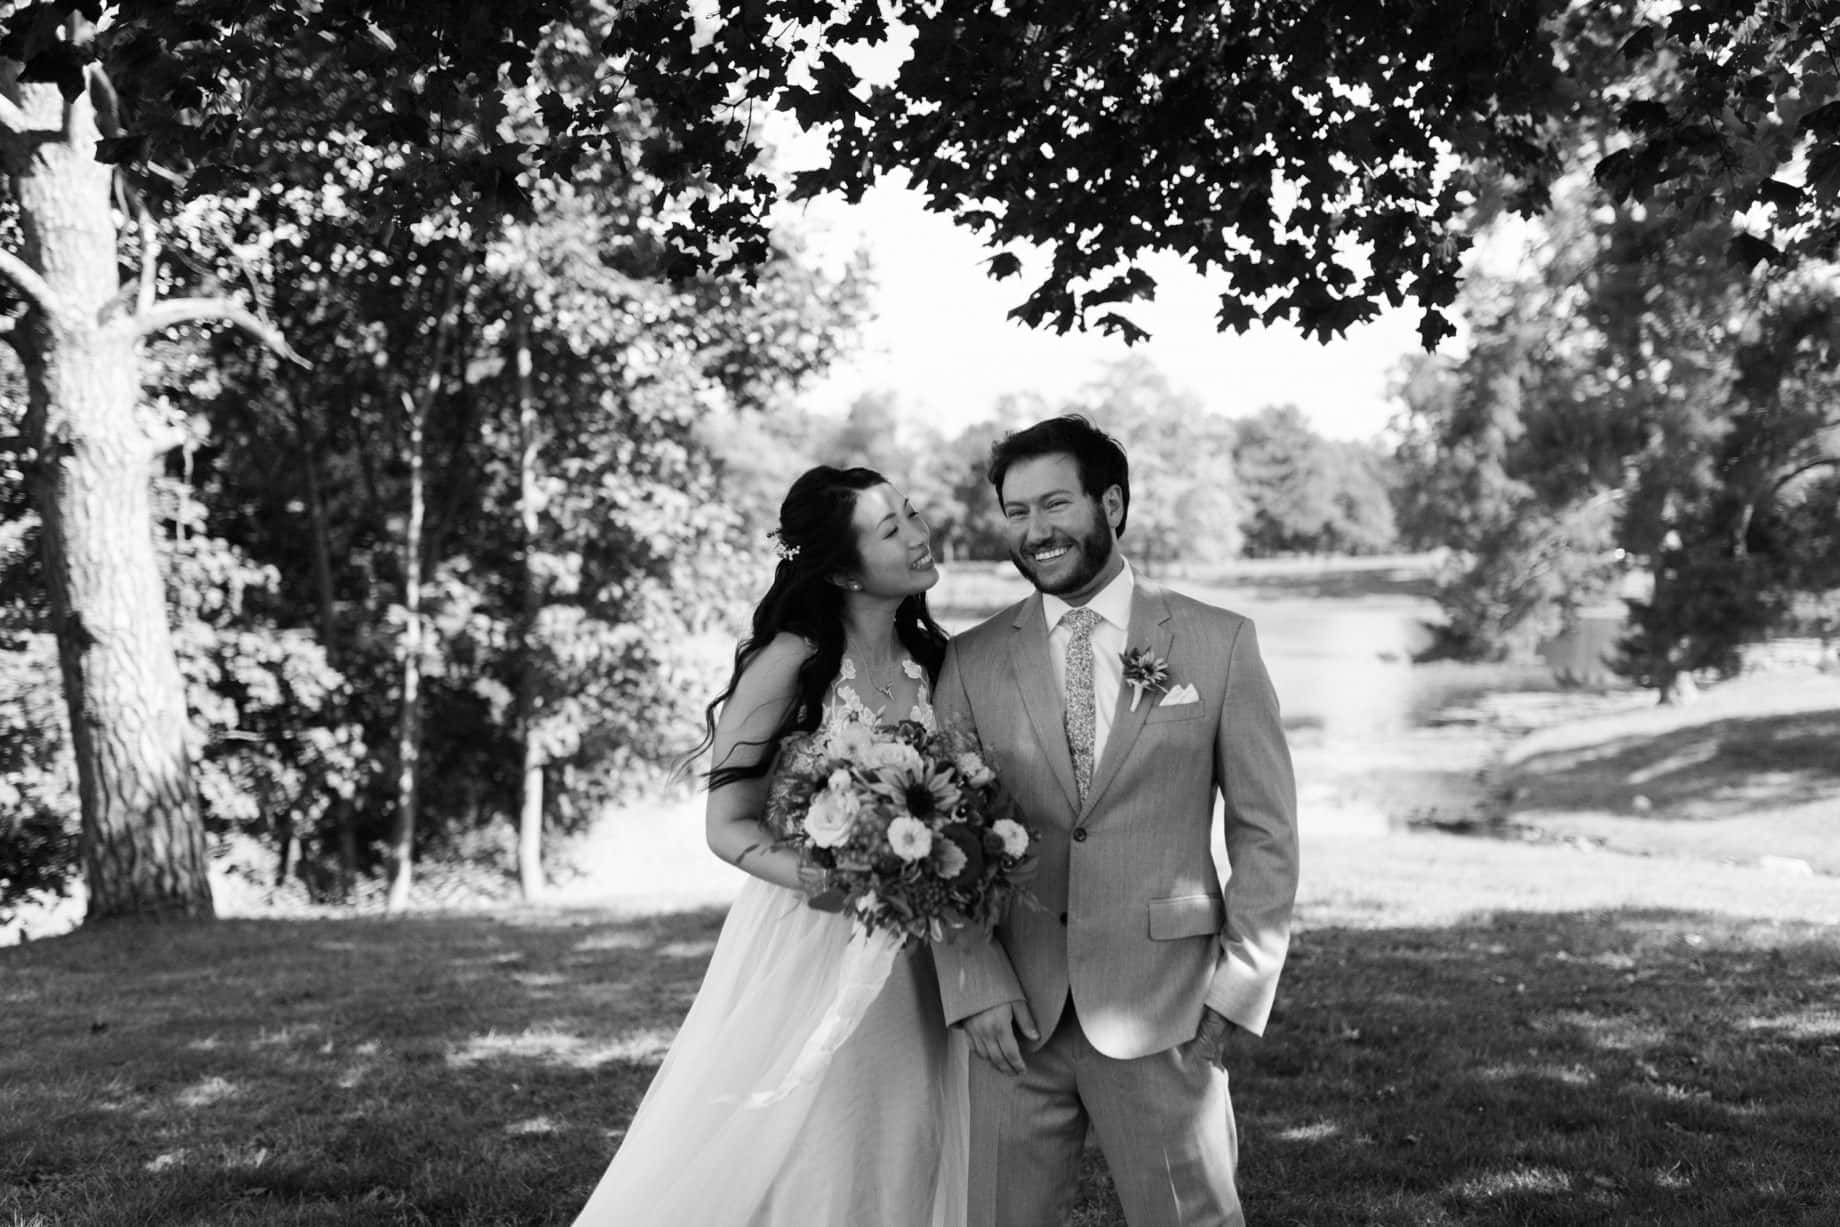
x=143 y=844
x=409 y=715
x=530 y=808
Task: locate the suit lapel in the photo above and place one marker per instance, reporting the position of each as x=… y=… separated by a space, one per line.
x=1150 y=627
x=1034 y=671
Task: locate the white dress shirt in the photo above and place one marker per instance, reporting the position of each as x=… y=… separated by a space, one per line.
x=1113 y=605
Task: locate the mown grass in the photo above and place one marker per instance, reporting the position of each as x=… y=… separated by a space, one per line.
x=1751 y=771
x=1468 y=1033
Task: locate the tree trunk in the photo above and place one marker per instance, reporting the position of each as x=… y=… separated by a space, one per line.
x=409 y=716
x=530 y=809
x=143 y=845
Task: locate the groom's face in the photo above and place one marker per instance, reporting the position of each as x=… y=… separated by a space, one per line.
x=1060 y=537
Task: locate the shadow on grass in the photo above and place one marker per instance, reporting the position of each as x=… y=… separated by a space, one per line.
x=1550 y=1069
x=1720 y=769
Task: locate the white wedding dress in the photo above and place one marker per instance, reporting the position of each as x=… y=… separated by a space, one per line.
x=876 y=1136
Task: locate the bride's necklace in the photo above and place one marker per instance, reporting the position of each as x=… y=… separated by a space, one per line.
x=872 y=671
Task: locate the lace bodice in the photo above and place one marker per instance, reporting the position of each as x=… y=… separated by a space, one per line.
x=846 y=703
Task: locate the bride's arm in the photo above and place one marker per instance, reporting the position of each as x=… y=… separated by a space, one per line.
x=765 y=692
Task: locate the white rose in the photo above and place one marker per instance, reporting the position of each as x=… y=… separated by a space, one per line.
x=839 y=781
x=830 y=818
x=1014 y=835
x=894 y=754
x=910 y=838
x=850 y=741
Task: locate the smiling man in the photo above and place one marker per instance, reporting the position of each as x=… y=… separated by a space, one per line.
x=1115 y=712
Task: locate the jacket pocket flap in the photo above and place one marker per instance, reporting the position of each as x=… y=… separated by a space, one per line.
x=1186 y=916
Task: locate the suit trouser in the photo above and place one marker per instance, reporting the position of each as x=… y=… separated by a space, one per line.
x=1164 y=1122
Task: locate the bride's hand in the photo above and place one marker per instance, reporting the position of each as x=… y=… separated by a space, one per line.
x=821 y=894
x=1025 y=870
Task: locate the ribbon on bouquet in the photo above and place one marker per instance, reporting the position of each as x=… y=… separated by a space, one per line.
x=863 y=970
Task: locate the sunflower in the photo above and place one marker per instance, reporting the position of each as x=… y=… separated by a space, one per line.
x=928 y=792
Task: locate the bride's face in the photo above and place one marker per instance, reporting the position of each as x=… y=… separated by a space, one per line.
x=894 y=543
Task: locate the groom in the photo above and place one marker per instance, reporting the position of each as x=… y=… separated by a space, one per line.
x=1115 y=711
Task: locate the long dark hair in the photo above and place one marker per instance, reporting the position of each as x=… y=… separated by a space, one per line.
x=817 y=540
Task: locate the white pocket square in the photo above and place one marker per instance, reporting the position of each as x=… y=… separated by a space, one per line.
x=1185 y=693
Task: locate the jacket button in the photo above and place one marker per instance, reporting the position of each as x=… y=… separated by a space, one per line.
x=1063 y=918
x=1079 y=835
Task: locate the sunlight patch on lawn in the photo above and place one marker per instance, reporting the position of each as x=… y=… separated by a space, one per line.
x=535 y=1125
x=1614 y=1034
x=559 y=1048
x=620 y=940
x=247 y=1157
x=687 y=950
x=1763 y=786
x=1822 y=1026
x=164 y=1162
x=1693 y=755
x=1564 y=1075
x=1515 y=1180
x=209 y=1091
x=1315 y=1131
x=294 y=1033
x=502 y=959
x=543 y=979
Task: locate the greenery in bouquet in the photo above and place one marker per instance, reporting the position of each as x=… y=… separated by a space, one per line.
x=911 y=825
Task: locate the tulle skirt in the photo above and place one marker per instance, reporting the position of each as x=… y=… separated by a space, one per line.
x=740 y=1129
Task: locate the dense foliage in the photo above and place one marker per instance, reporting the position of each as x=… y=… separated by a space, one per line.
x=446 y=560
x=1635 y=409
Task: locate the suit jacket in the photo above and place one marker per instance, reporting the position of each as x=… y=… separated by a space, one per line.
x=1130 y=915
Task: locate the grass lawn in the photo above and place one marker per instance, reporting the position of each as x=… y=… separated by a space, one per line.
x=1749 y=771
x=1470 y=1032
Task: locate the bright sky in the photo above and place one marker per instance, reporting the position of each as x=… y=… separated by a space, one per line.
x=942 y=343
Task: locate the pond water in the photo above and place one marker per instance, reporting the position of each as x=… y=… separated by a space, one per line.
x=1379 y=742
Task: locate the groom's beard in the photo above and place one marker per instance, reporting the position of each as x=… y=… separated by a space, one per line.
x=1090 y=554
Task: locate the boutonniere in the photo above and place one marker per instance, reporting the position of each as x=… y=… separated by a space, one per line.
x=1144 y=670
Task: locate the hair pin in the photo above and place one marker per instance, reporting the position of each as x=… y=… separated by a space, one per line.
x=786 y=552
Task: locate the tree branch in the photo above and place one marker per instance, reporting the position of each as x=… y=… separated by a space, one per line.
x=203 y=310
x=30 y=283
x=12 y=119
x=1808 y=467
x=150 y=263
x=107 y=103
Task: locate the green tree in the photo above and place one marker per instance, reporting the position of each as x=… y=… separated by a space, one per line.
x=1308 y=494
x=1317 y=156
x=1185 y=501
x=88 y=453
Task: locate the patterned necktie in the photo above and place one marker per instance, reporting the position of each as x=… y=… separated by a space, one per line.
x=1080 y=707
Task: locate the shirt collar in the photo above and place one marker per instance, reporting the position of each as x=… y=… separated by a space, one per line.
x=1112 y=602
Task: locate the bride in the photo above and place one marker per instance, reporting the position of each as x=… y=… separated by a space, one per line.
x=878 y=1134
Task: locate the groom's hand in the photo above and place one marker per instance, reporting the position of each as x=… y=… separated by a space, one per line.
x=1220 y=1040
x=993 y=1035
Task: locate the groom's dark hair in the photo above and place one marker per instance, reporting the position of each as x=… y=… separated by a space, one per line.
x=1099 y=457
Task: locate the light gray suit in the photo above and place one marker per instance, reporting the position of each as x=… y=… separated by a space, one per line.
x=1132 y=926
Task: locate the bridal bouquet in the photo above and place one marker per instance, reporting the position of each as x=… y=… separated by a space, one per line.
x=911 y=825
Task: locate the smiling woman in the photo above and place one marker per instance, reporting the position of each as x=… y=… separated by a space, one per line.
x=854 y=1094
